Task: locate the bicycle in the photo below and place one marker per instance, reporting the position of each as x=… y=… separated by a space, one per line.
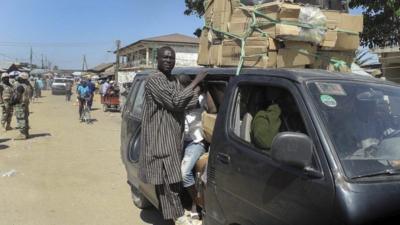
x=86 y=117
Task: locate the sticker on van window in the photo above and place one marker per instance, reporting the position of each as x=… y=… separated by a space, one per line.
x=328 y=100
x=330 y=89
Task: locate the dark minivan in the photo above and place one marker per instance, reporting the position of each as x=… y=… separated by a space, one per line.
x=335 y=159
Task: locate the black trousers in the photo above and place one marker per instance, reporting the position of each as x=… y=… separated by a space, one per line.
x=82 y=102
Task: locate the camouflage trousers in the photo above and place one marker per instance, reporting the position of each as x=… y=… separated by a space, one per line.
x=6 y=116
x=22 y=114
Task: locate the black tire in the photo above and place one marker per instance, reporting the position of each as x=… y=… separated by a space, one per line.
x=138 y=199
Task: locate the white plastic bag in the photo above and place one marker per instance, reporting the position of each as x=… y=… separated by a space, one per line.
x=316 y=20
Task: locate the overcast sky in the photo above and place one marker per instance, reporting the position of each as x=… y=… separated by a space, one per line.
x=65 y=30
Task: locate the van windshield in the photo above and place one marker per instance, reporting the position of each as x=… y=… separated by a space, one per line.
x=363 y=122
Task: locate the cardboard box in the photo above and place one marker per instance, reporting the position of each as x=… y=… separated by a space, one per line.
x=266 y=61
x=344 y=41
x=258 y=62
x=250 y=42
x=218 y=13
x=257 y=48
x=208 y=123
x=215 y=54
x=204 y=49
x=344 y=21
x=347 y=42
x=336 y=38
x=208 y=11
x=239 y=28
x=239 y=15
x=271 y=9
x=241 y=19
x=292 y=56
x=273 y=44
x=330 y=39
x=287 y=31
x=289 y=12
x=323 y=60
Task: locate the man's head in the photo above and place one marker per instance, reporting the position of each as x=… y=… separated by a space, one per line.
x=5 y=77
x=83 y=83
x=166 y=59
x=23 y=78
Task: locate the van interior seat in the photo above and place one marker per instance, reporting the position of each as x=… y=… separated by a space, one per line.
x=245 y=127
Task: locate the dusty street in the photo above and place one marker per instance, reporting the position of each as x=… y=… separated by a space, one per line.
x=68 y=172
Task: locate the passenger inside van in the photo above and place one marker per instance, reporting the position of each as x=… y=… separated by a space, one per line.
x=263 y=112
x=267 y=122
x=194 y=147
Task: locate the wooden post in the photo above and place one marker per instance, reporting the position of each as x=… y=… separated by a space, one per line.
x=118 y=42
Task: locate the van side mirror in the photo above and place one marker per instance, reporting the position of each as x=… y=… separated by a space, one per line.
x=293 y=149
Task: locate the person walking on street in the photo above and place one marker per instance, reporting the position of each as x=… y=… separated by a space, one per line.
x=6 y=92
x=92 y=89
x=162 y=133
x=68 y=91
x=38 y=88
x=22 y=92
x=33 y=83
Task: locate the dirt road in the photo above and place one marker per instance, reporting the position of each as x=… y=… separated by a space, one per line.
x=68 y=172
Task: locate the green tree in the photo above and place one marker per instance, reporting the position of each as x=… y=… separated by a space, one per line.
x=195 y=7
x=381 y=22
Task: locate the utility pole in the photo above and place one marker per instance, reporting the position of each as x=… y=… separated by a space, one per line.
x=42 y=62
x=84 y=63
x=30 y=59
x=118 y=42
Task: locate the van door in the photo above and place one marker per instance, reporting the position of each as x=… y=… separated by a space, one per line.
x=130 y=146
x=245 y=186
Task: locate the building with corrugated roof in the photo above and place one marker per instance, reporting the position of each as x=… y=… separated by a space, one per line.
x=142 y=54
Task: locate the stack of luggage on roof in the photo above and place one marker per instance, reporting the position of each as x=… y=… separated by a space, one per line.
x=278 y=34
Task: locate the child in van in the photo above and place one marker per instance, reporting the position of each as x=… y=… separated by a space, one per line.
x=194 y=147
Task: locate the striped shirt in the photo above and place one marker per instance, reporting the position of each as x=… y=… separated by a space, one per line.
x=162 y=129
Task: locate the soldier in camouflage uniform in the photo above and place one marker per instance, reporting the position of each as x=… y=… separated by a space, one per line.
x=22 y=93
x=6 y=92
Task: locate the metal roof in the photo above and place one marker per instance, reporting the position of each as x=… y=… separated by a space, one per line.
x=176 y=38
x=169 y=38
x=101 y=67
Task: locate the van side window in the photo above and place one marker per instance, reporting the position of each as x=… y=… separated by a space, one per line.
x=131 y=97
x=136 y=110
x=261 y=112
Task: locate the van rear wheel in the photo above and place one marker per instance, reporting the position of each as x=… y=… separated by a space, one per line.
x=138 y=199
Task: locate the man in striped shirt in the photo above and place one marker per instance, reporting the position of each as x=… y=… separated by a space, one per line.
x=162 y=133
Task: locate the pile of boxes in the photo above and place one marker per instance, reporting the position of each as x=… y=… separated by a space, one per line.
x=278 y=34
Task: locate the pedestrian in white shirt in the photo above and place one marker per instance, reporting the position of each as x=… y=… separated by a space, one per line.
x=195 y=147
